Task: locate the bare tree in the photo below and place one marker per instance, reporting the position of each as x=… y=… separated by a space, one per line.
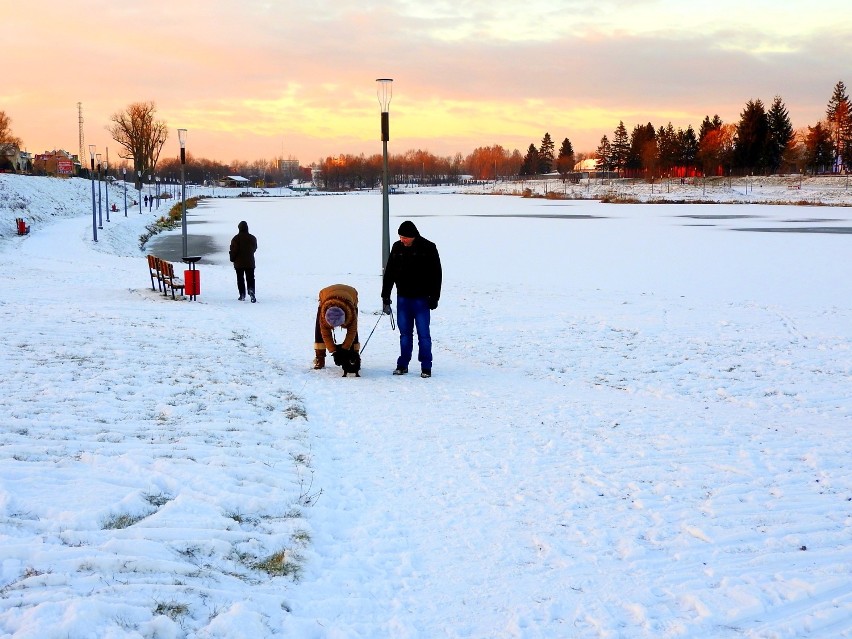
x=9 y=144
x=141 y=136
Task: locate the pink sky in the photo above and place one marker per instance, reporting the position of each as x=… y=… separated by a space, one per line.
x=259 y=79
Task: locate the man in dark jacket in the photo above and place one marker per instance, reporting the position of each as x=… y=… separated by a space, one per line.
x=243 y=246
x=415 y=268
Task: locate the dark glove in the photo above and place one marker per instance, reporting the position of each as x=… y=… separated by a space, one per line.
x=433 y=303
x=336 y=355
x=386 y=309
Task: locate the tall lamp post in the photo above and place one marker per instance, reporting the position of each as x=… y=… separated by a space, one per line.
x=124 y=175
x=94 y=212
x=106 y=185
x=100 y=210
x=139 y=177
x=384 y=91
x=182 y=139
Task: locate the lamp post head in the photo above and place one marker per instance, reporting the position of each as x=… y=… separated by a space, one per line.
x=92 y=151
x=182 y=140
x=384 y=91
x=124 y=170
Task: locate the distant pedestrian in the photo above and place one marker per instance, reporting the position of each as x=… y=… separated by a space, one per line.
x=338 y=308
x=241 y=252
x=414 y=266
x=146 y=201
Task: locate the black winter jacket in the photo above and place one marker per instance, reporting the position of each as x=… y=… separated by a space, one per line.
x=243 y=246
x=415 y=270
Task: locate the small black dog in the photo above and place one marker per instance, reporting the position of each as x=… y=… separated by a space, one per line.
x=348 y=358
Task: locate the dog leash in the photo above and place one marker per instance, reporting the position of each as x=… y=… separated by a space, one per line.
x=393 y=328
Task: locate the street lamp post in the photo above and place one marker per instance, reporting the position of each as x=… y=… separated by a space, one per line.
x=92 y=176
x=124 y=175
x=100 y=210
x=384 y=91
x=106 y=185
x=139 y=177
x=182 y=139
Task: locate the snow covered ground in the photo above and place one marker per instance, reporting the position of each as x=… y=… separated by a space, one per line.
x=638 y=424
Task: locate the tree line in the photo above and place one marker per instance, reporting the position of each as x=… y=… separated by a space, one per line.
x=762 y=141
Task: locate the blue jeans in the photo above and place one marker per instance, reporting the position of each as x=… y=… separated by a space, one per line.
x=411 y=312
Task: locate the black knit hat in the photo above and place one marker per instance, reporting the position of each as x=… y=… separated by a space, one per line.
x=407 y=229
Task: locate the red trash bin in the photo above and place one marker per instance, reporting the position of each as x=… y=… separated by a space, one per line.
x=192 y=281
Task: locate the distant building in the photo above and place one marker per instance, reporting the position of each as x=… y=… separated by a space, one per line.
x=234 y=181
x=583 y=166
x=58 y=163
x=13 y=159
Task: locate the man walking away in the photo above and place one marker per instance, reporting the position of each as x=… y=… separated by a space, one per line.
x=243 y=247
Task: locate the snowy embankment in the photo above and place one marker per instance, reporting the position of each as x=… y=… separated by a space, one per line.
x=638 y=426
x=833 y=190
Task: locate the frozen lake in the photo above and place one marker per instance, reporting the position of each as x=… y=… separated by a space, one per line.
x=694 y=251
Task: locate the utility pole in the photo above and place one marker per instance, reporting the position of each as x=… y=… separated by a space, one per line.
x=80 y=124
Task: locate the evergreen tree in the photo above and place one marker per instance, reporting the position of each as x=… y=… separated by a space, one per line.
x=707 y=126
x=530 y=164
x=545 y=155
x=643 y=148
x=709 y=145
x=565 y=159
x=667 y=147
x=839 y=119
x=780 y=134
x=620 y=148
x=687 y=147
x=819 y=150
x=604 y=155
x=752 y=135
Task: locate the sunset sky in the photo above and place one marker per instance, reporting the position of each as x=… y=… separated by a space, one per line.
x=253 y=79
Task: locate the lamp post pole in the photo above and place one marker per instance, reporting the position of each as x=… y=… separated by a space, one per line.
x=100 y=210
x=182 y=139
x=124 y=175
x=106 y=185
x=139 y=177
x=384 y=91
x=92 y=176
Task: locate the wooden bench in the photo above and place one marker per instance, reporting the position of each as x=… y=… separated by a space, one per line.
x=154 y=272
x=21 y=226
x=163 y=273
